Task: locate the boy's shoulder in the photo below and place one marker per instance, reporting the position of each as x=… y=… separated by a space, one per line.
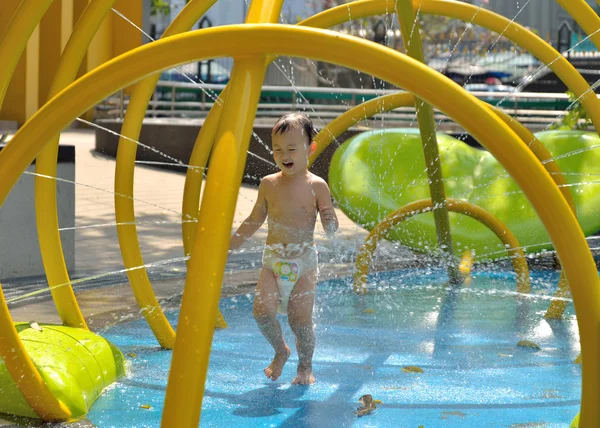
x=317 y=180
x=269 y=180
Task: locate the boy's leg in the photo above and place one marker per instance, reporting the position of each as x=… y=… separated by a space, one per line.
x=300 y=311
x=266 y=300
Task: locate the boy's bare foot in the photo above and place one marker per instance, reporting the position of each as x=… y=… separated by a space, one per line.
x=276 y=367
x=304 y=377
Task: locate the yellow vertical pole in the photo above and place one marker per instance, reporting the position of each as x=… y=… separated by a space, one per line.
x=124 y=35
x=32 y=73
x=101 y=47
x=193 y=178
x=199 y=307
x=67 y=11
x=412 y=43
x=20 y=35
x=77 y=10
x=51 y=44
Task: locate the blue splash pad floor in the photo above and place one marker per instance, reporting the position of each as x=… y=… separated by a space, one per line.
x=465 y=342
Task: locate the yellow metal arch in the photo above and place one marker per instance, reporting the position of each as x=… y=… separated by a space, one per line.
x=12 y=351
x=46 y=213
x=557 y=307
x=124 y=187
x=207 y=264
x=25 y=374
x=356 y=114
x=363 y=260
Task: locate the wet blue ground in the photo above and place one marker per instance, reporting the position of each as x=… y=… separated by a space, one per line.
x=465 y=342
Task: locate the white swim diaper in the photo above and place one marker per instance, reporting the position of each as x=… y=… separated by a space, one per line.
x=288 y=263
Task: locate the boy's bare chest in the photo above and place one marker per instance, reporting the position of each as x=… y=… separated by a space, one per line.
x=290 y=200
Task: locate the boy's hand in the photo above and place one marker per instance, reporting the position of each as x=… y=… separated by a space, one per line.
x=330 y=223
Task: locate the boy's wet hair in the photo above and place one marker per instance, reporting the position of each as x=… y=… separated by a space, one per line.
x=295 y=121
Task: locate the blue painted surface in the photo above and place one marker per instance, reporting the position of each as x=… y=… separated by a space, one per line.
x=465 y=342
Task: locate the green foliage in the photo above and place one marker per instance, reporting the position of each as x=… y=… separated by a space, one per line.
x=576 y=117
x=160 y=7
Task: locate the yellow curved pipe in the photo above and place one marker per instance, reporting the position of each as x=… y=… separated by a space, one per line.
x=25 y=374
x=124 y=186
x=520 y=35
x=509 y=240
x=206 y=264
x=46 y=212
x=587 y=18
x=14 y=39
x=356 y=114
x=17 y=361
x=194 y=175
x=557 y=307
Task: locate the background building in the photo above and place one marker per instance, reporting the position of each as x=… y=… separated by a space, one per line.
x=35 y=71
x=543 y=16
x=284 y=72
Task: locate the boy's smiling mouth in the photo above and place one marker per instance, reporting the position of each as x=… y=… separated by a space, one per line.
x=287 y=164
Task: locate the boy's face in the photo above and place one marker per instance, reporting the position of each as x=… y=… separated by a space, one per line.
x=291 y=151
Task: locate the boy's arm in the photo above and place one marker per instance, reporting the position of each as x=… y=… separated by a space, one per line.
x=253 y=222
x=325 y=207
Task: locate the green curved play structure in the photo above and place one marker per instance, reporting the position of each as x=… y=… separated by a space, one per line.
x=76 y=365
x=377 y=172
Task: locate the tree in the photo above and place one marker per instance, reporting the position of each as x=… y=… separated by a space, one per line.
x=382 y=29
x=160 y=7
x=576 y=117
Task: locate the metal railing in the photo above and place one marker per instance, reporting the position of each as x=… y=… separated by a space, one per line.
x=193 y=101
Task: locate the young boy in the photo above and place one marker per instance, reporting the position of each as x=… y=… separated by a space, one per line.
x=290 y=199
